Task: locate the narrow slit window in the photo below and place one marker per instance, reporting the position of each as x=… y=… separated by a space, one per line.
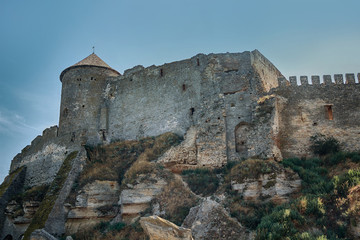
x=161 y=72
x=192 y=110
x=197 y=62
x=329 y=111
x=184 y=87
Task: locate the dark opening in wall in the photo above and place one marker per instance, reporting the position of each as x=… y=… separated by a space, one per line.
x=184 y=87
x=83 y=106
x=103 y=135
x=92 y=78
x=232 y=105
x=72 y=137
x=161 y=72
x=192 y=110
x=329 y=111
x=197 y=62
x=78 y=79
x=65 y=112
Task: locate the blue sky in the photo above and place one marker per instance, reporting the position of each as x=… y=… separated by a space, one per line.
x=38 y=39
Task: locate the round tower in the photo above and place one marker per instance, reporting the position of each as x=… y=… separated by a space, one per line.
x=82 y=107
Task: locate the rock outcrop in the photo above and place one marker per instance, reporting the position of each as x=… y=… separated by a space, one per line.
x=266 y=181
x=137 y=198
x=158 y=228
x=209 y=220
x=96 y=201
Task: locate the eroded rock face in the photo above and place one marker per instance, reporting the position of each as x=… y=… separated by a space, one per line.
x=209 y=220
x=137 y=198
x=276 y=184
x=95 y=202
x=158 y=228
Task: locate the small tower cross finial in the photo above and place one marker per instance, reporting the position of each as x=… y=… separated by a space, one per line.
x=93 y=49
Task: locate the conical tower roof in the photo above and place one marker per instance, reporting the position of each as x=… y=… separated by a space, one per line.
x=91 y=60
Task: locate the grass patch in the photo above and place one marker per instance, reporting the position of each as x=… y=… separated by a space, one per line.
x=201 y=181
x=312 y=173
x=48 y=202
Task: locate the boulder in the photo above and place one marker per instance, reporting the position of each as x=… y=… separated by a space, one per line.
x=158 y=228
x=209 y=220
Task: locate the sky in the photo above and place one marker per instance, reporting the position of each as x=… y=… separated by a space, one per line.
x=39 y=39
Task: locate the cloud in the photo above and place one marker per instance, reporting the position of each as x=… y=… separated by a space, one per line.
x=13 y=123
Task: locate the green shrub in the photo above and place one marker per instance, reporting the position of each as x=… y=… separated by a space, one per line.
x=280 y=224
x=313 y=175
x=201 y=181
x=344 y=182
x=322 y=145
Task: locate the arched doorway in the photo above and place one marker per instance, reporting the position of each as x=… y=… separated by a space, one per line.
x=241 y=138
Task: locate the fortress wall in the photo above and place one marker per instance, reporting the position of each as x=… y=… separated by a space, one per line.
x=267 y=72
x=155 y=100
x=43 y=157
x=329 y=109
x=151 y=101
x=81 y=99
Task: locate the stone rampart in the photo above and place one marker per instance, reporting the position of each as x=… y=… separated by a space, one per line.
x=44 y=156
x=330 y=108
x=315 y=80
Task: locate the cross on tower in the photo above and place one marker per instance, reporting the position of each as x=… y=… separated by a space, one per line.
x=93 y=49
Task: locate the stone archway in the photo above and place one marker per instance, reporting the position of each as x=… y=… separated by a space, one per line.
x=241 y=138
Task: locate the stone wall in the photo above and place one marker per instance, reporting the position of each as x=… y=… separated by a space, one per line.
x=330 y=109
x=44 y=156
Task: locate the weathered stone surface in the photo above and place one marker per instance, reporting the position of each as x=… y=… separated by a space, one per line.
x=94 y=203
x=209 y=220
x=137 y=199
x=41 y=234
x=158 y=228
x=275 y=185
x=184 y=155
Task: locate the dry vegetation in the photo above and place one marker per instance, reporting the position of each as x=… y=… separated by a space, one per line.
x=110 y=162
x=176 y=200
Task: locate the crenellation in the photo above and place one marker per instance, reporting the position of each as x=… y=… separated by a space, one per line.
x=350 y=78
x=339 y=79
x=327 y=80
x=315 y=80
x=293 y=80
x=304 y=80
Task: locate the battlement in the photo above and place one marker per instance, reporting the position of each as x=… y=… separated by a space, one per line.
x=315 y=80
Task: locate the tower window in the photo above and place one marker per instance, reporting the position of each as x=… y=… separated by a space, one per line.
x=184 y=87
x=329 y=112
x=65 y=112
x=197 y=62
x=161 y=72
x=192 y=110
